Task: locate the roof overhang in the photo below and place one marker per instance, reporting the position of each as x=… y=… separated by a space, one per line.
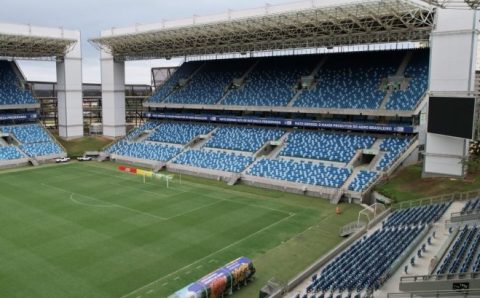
x=291 y=26
x=30 y=42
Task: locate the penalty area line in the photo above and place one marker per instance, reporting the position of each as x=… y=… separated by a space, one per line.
x=208 y=256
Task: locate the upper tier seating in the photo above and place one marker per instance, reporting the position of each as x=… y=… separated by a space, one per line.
x=472 y=206
x=351 y=81
x=179 y=133
x=300 y=172
x=325 y=146
x=149 y=151
x=10 y=91
x=393 y=148
x=417 y=71
x=9 y=153
x=139 y=130
x=463 y=256
x=183 y=72
x=215 y=160
x=271 y=82
x=362 y=180
x=242 y=138
x=209 y=84
x=417 y=215
x=365 y=264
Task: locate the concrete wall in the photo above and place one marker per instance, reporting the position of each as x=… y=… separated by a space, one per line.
x=70 y=98
x=113 y=96
x=452 y=72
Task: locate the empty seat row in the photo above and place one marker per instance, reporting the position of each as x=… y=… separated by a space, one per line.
x=325 y=145
x=248 y=139
x=300 y=172
x=365 y=265
x=178 y=133
x=416 y=215
x=214 y=160
x=472 y=206
x=463 y=255
x=150 y=151
x=392 y=147
x=344 y=81
x=11 y=91
x=362 y=180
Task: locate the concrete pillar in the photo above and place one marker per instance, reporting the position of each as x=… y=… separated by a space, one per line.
x=113 y=96
x=69 y=92
x=452 y=71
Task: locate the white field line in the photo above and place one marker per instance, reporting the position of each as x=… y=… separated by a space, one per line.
x=113 y=204
x=196 y=185
x=208 y=256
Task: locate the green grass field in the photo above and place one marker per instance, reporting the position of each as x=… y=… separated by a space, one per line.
x=88 y=230
x=408 y=184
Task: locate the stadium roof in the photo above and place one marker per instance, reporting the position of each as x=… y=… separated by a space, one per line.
x=25 y=41
x=307 y=24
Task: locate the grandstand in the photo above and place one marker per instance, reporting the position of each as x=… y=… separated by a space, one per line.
x=313 y=103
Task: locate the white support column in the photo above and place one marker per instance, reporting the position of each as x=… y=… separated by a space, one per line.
x=69 y=92
x=452 y=73
x=113 y=96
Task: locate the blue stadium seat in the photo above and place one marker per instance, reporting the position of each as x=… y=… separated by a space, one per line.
x=215 y=160
x=416 y=215
x=179 y=133
x=417 y=72
x=9 y=153
x=325 y=146
x=351 y=81
x=149 y=151
x=183 y=72
x=362 y=180
x=248 y=139
x=209 y=84
x=272 y=82
x=300 y=172
x=393 y=148
x=10 y=91
x=33 y=139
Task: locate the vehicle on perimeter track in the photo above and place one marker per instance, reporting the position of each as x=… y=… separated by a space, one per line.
x=62 y=159
x=84 y=158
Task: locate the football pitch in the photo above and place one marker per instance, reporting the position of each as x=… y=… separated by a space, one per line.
x=88 y=230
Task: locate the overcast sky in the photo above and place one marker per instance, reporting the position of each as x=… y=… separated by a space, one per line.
x=92 y=16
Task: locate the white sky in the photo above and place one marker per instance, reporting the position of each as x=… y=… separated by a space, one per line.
x=92 y=16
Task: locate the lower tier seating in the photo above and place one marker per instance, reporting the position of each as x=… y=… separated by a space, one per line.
x=393 y=148
x=463 y=256
x=472 y=206
x=325 y=145
x=179 y=133
x=149 y=151
x=362 y=180
x=139 y=130
x=9 y=153
x=248 y=139
x=416 y=215
x=33 y=140
x=41 y=149
x=365 y=264
x=300 y=172
x=214 y=160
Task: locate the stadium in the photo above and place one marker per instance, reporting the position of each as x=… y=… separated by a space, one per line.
x=312 y=149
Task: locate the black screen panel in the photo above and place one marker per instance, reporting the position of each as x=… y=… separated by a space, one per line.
x=451 y=116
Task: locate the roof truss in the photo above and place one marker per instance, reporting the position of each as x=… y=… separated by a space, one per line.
x=359 y=23
x=32 y=47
